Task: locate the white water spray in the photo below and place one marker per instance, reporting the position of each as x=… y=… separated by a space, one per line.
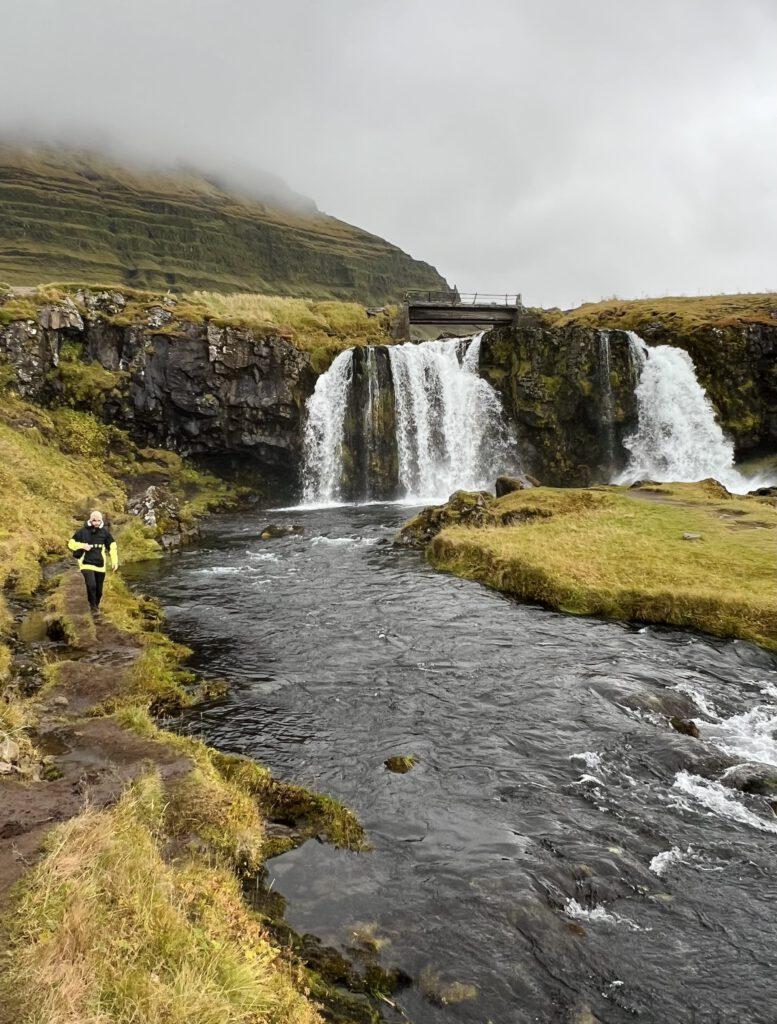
x=450 y=430
x=324 y=432
x=677 y=437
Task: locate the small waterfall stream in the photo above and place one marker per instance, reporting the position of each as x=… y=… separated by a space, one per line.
x=441 y=421
x=677 y=436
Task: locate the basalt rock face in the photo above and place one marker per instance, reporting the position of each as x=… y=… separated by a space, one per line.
x=570 y=389
x=370 y=462
x=570 y=394
x=202 y=390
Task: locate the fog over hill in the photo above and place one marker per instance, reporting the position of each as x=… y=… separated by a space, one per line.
x=569 y=151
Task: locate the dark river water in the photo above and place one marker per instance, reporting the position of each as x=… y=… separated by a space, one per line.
x=559 y=847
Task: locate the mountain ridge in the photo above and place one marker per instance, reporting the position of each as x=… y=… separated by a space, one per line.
x=75 y=215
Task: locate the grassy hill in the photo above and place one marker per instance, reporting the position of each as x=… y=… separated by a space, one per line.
x=76 y=216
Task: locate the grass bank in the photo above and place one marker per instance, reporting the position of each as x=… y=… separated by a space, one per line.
x=134 y=910
x=681 y=314
x=688 y=555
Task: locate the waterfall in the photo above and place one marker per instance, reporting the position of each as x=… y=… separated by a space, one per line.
x=324 y=429
x=677 y=436
x=447 y=427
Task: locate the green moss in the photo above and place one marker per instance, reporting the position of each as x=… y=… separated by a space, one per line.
x=400 y=763
x=86 y=385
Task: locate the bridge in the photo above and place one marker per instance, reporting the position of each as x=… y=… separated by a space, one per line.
x=471 y=309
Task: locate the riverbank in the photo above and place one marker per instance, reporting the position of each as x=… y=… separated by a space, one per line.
x=124 y=848
x=687 y=555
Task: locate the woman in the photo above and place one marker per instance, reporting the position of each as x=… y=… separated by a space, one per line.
x=96 y=545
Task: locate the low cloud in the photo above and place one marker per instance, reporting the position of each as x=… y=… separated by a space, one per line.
x=568 y=151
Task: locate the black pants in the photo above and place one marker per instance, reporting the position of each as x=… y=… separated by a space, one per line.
x=94 y=586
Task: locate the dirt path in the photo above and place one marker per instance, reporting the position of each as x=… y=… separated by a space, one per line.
x=93 y=757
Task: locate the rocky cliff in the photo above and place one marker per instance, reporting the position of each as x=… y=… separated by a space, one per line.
x=570 y=394
x=195 y=388
x=568 y=382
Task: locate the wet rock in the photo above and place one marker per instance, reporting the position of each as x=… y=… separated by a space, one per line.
x=684 y=726
x=765 y=492
x=473 y=508
x=508 y=484
x=272 y=531
x=6 y=768
x=752 y=777
x=400 y=763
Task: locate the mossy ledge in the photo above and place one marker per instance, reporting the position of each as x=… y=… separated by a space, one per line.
x=686 y=555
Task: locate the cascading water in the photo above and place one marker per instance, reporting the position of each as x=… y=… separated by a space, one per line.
x=324 y=432
x=450 y=431
x=677 y=436
x=448 y=428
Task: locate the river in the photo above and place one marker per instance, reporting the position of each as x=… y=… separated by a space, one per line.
x=519 y=855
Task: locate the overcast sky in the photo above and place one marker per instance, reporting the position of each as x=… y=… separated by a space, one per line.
x=567 y=149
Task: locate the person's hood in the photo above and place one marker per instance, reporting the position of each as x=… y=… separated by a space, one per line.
x=91 y=527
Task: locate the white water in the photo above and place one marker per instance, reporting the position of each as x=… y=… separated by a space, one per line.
x=450 y=432
x=324 y=432
x=677 y=438
x=718 y=800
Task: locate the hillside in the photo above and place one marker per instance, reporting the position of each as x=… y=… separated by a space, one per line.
x=77 y=217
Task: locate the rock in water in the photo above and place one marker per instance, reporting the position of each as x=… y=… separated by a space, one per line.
x=475 y=508
x=272 y=531
x=685 y=726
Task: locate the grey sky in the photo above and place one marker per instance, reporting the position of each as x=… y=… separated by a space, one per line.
x=568 y=149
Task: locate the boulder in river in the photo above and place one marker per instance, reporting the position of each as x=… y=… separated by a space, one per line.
x=752 y=777
x=272 y=531
x=400 y=764
x=686 y=726
x=473 y=508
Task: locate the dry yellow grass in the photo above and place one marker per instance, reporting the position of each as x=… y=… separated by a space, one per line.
x=622 y=555
x=681 y=313
x=107 y=931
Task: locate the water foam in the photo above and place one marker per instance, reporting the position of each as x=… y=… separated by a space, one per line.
x=718 y=800
x=660 y=864
x=450 y=432
x=677 y=437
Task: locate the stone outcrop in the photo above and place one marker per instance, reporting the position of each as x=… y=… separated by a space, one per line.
x=194 y=388
x=571 y=402
x=570 y=389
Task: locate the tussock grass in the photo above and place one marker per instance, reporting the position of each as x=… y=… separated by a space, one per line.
x=107 y=930
x=312 y=813
x=616 y=554
x=682 y=314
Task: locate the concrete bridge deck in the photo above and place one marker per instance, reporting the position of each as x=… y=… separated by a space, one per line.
x=452 y=309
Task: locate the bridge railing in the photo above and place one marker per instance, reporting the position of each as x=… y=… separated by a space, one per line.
x=418 y=296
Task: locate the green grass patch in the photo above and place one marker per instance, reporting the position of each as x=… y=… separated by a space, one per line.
x=620 y=554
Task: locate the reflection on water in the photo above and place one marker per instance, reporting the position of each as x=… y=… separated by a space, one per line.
x=558 y=845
